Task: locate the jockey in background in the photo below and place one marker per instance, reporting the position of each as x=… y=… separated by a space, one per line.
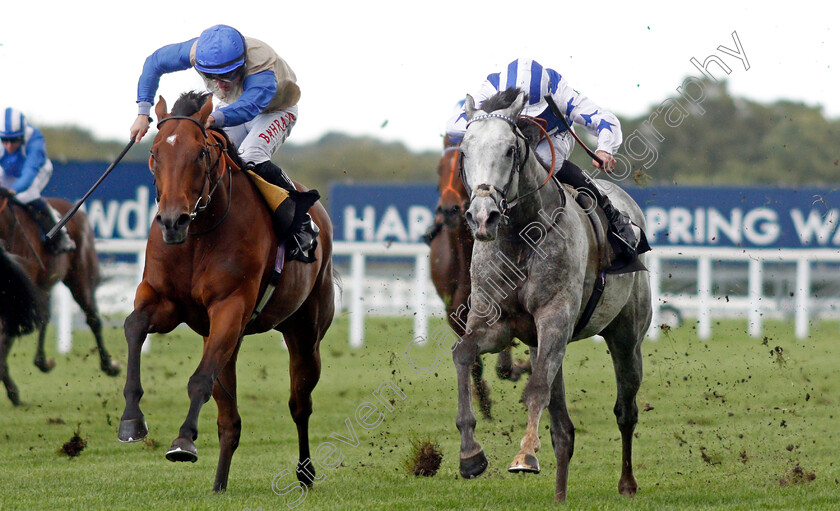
x=538 y=81
x=25 y=170
x=257 y=98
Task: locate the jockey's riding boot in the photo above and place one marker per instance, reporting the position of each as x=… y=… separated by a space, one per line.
x=620 y=228
x=306 y=236
x=46 y=217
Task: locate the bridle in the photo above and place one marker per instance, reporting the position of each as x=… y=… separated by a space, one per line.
x=209 y=182
x=485 y=190
x=450 y=186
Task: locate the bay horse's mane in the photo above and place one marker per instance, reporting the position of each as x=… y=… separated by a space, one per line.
x=191 y=102
x=504 y=99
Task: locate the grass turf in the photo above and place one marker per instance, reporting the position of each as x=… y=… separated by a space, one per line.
x=732 y=423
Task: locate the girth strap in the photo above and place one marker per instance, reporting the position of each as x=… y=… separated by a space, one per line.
x=273 y=281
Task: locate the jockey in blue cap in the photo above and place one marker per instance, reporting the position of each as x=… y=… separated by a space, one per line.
x=257 y=98
x=25 y=170
x=538 y=81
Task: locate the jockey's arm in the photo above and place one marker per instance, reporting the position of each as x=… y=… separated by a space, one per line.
x=168 y=59
x=36 y=156
x=597 y=121
x=257 y=91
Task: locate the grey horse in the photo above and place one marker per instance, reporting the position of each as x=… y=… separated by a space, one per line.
x=535 y=263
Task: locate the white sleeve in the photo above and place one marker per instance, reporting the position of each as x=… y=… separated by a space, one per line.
x=456 y=126
x=583 y=111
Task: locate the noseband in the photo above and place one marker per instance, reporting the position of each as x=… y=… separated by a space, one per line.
x=209 y=183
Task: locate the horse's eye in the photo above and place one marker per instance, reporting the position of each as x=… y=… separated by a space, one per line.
x=510 y=151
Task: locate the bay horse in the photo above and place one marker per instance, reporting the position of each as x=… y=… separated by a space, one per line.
x=546 y=256
x=210 y=256
x=450 y=252
x=78 y=270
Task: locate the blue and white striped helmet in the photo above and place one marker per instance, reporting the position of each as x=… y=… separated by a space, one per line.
x=531 y=77
x=12 y=123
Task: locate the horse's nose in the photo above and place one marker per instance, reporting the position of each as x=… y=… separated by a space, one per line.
x=172 y=222
x=174 y=227
x=483 y=217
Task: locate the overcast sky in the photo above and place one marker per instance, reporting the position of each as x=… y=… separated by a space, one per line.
x=394 y=69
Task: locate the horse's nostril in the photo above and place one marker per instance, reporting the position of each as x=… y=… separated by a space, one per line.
x=183 y=219
x=493 y=217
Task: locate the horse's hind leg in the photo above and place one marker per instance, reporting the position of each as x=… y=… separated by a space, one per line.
x=627 y=361
x=228 y=422
x=11 y=388
x=85 y=297
x=41 y=361
x=304 y=373
x=562 y=434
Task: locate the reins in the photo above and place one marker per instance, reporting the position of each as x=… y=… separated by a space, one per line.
x=518 y=163
x=223 y=158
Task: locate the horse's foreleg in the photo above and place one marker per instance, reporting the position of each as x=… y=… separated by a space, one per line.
x=41 y=360
x=11 y=388
x=228 y=422
x=562 y=434
x=627 y=361
x=226 y=323
x=473 y=460
x=546 y=360
x=132 y=424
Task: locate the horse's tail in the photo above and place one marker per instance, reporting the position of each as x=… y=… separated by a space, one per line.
x=338 y=282
x=22 y=307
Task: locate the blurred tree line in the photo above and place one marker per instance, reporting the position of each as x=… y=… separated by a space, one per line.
x=734 y=141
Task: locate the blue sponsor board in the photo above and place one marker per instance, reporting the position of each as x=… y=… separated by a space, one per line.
x=748 y=217
x=751 y=217
x=123 y=206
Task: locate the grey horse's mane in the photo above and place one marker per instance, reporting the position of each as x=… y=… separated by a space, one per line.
x=503 y=100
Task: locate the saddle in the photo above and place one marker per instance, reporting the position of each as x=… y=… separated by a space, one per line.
x=608 y=263
x=287 y=215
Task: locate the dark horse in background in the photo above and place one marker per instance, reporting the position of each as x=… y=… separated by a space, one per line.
x=451 y=246
x=79 y=270
x=210 y=256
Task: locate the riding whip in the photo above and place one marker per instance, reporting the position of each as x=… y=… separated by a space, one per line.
x=67 y=216
x=559 y=115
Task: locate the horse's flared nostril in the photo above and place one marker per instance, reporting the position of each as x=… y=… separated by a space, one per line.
x=469 y=217
x=493 y=218
x=183 y=220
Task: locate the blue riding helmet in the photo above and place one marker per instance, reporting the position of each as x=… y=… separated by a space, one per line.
x=220 y=49
x=12 y=123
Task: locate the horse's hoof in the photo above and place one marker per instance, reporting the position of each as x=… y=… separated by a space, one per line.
x=111 y=368
x=525 y=463
x=628 y=487
x=306 y=472
x=45 y=364
x=182 y=450
x=133 y=430
x=473 y=466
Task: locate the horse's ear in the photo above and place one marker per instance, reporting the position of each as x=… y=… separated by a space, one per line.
x=469 y=106
x=204 y=113
x=517 y=105
x=160 y=109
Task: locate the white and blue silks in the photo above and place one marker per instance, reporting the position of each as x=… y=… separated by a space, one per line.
x=538 y=81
